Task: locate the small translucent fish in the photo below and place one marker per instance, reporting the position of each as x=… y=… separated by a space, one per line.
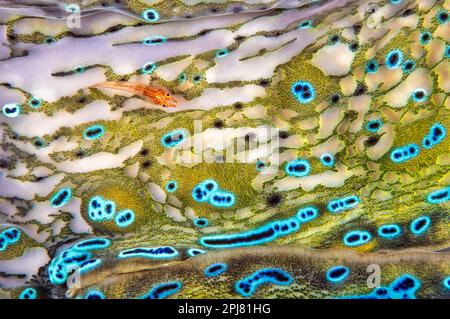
x=156 y=95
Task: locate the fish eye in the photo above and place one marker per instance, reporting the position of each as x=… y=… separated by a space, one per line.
x=168 y=94
x=164 y=105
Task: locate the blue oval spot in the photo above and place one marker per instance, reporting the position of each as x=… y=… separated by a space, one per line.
x=303 y=91
x=215 y=269
x=420 y=225
x=409 y=66
x=94 y=132
x=356 y=238
x=374 y=126
x=298 y=168
x=307 y=213
x=148 y=68
x=393 y=59
x=150 y=15
x=11 y=109
x=201 y=222
x=171 y=186
x=62 y=197
x=389 y=231
x=124 y=218
x=372 y=66
x=34 y=102
x=327 y=159
x=28 y=293
x=337 y=274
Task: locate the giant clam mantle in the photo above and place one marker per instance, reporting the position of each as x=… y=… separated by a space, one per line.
x=342 y=111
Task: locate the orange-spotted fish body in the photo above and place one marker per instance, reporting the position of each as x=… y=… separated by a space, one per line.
x=154 y=94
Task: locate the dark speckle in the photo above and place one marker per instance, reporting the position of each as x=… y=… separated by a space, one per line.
x=146 y=164
x=238 y=106
x=264 y=82
x=371 y=141
x=283 y=134
x=219 y=124
x=274 y=199
x=361 y=88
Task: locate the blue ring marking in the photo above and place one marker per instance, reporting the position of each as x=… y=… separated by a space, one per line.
x=163 y=252
x=72 y=7
x=11 y=109
x=95 y=208
x=168 y=140
x=393 y=59
x=92 y=244
x=28 y=293
x=57 y=272
x=124 y=218
x=333 y=39
x=420 y=225
x=215 y=269
x=340 y=204
x=247 y=286
x=222 y=198
x=182 y=77
x=195 y=251
x=3 y=243
x=49 y=40
x=260 y=165
x=396 y=1
x=374 y=125
x=439 y=196
x=419 y=95
x=89 y=265
x=404 y=287
x=201 y=222
x=34 y=103
x=425 y=37
x=409 y=66
x=11 y=235
x=307 y=213
x=203 y=190
x=156 y=40
x=109 y=209
x=303 y=91
x=404 y=153
x=327 y=159
x=389 y=231
x=356 y=238
x=435 y=136
x=446 y=283
x=171 y=186
x=61 y=197
x=372 y=66
x=164 y=290
x=222 y=52
x=197 y=78
x=80 y=69
x=148 y=68
x=337 y=274
x=447 y=51
x=260 y=235
x=95 y=294
x=71 y=259
x=94 y=132
x=442 y=16
x=39 y=143
x=298 y=168
x=150 y=15
x=305 y=24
